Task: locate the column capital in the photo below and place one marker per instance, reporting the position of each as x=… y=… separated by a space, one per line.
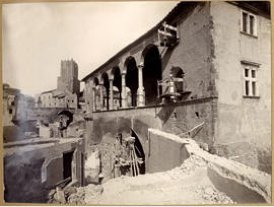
x=140 y=65
x=101 y=83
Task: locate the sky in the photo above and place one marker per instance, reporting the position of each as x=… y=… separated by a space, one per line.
x=37 y=36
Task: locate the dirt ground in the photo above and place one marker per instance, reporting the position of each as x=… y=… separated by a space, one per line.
x=187 y=184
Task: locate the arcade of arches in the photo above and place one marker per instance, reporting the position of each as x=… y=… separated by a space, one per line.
x=134 y=85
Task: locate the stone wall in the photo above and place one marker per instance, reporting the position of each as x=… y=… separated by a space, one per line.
x=193 y=53
x=240 y=182
x=174 y=118
x=243 y=130
x=165 y=152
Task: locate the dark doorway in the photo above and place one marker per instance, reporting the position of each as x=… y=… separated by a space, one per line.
x=67 y=161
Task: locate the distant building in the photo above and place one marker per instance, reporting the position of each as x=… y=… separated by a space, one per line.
x=9 y=104
x=17 y=110
x=68 y=81
x=68 y=89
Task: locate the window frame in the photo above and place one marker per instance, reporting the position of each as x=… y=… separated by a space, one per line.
x=251 y=68
x=249 y=15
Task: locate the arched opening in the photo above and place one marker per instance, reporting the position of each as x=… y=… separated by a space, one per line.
x=152 y=72
x=116 y=98
x=178 y=74
x=96 y=94
x=128 y=97
x=105 y=91
x=117 y=87
x=132 y=79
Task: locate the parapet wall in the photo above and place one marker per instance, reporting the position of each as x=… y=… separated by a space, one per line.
x=242 y=183
x=164 y=153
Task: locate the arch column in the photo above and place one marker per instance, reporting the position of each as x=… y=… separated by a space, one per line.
x=111 y=94
x=141 y=90
x=93 y=98
x=123 y=91
x=101 y=85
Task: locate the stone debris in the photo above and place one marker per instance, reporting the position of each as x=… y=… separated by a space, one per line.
x=211 y=195
x=189 y=179
x=59 y=196
x=73 y=195
x=77 y=198
x=192 y=163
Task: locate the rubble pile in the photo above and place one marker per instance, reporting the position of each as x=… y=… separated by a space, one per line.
x=211 y=195
x=73 y=195
x=190 y=179
x=192 y=163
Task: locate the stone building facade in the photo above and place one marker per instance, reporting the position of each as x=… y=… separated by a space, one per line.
x=68 y=80
x=16 y=114
x=9 y=104
x=205 y=62
x=68 y=89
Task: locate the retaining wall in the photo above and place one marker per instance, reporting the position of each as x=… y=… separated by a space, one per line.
x=242 y=183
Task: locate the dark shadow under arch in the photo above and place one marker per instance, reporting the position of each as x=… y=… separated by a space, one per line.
x=132 y=79
x=152 y=72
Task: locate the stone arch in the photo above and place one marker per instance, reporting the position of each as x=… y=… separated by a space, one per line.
x=105 y=85
x=95 y=81
x=117 y=82
x=132 y=78
x=152 y=72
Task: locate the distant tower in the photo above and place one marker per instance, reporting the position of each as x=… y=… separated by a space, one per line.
x=69 y=77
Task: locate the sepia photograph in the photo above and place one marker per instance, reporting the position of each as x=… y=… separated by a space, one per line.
x=137 y=103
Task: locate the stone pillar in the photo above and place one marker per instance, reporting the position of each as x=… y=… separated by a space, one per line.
x=123 y=91
x=101 y=96
x=111 y=94
x=93 y=95
x=140 y=91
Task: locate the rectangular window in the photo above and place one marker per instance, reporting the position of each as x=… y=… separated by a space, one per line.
x=250 y=79
x=244 y=20
x=246 y=88
x=253 y=88
x=253 y=74
x=246 y=72
x=249 y=23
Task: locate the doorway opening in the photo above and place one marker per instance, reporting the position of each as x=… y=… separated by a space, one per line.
x=67 y=165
